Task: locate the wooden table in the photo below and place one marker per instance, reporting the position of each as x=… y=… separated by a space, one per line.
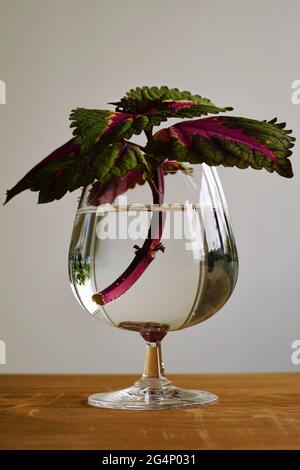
x=259 y=411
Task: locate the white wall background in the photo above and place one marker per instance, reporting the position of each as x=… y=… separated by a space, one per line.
x=59 y=54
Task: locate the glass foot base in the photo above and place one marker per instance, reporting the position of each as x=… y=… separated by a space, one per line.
x=146 y=398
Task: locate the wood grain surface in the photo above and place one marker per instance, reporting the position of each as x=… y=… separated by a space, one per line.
x=255 y=411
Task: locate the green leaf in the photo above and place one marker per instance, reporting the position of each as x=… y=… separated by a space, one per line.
x=132 y=100
x=96 y=128
x=81 y=269
x=159 y=104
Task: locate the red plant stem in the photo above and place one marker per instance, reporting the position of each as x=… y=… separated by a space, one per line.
x=144 y=255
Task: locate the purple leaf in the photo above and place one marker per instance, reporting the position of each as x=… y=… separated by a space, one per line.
x=103 y=193
x=228 y=141
x=57 y=161
x=106 y=193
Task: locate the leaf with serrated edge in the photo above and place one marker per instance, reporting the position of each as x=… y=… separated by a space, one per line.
x=159 y=104
x=228 y=141
x=66 y=169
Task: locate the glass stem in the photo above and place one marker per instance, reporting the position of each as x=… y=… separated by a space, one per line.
x=153 y=366
x=153 y=377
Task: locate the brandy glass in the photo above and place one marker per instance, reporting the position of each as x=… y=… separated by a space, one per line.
x=154 y=265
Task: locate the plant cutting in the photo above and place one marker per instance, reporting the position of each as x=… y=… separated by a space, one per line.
x=101 y=158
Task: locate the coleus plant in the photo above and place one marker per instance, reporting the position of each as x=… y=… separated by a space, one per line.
x=101 y=154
